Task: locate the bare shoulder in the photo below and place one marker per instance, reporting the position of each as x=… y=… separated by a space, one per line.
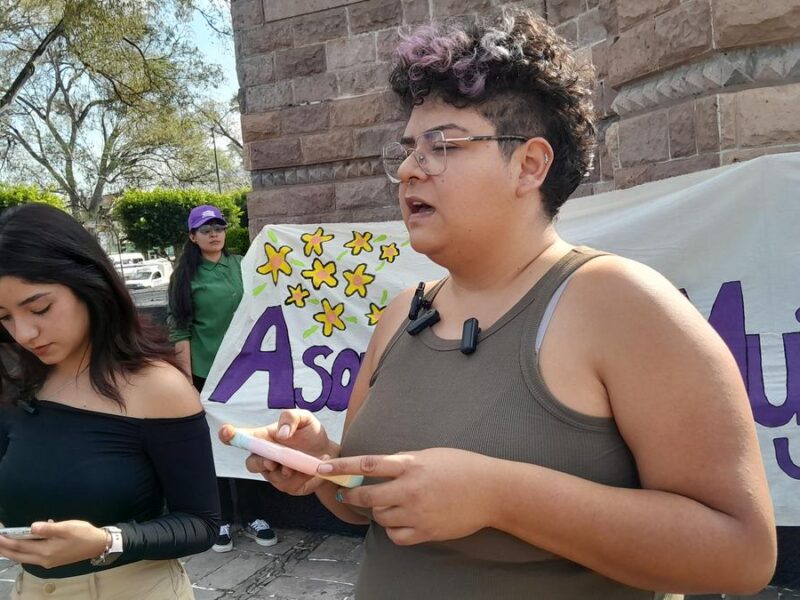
x=161 y=391
x=617 y=277
x=612 y=291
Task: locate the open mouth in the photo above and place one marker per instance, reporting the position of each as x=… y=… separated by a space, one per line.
x=418 y=207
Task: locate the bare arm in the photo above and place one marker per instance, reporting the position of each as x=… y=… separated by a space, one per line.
x=703 y=521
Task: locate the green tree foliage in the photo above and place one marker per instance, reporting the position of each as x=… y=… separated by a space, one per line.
x=115 y=101
x=157 y=219
x=23 y=194
x=130 y=44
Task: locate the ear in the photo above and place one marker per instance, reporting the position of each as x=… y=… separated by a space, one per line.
x=193 y=237
x=535 y=159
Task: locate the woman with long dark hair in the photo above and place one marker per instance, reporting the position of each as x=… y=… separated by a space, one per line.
x=99 y=430
x=204 y=292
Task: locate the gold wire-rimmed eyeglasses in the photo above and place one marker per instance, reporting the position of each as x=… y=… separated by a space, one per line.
x=430 y=152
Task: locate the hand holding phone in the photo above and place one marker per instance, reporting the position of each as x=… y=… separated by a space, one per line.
x=19 y=533
x=294 y=459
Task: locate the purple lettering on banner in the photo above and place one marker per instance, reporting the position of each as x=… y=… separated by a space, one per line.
x=349 y=362
x=308 y=360
x=765 y=413
x=251 y=359
x=727 y=317
x=785 y=461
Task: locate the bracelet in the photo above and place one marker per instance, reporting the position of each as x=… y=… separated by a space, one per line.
x=113 y=548
x=104 y=554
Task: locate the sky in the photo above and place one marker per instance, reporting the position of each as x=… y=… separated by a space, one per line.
x=218 y=51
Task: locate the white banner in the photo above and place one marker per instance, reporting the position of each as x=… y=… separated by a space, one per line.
x=728 y=237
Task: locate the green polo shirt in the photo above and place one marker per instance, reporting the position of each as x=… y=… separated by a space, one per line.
x=216 y=292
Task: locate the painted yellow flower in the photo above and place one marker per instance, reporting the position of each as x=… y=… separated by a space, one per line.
x=374 y=314
x=357 y=281
x=314 y=241
x=389 y=252
x=297 y=296
x=359 y=242
x=276 y=262
x=319 y=274
x=330 y=317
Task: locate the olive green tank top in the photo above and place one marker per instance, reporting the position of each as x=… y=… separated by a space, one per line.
x=425 y=393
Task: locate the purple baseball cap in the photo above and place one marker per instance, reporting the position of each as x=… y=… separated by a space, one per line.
x=201 y=215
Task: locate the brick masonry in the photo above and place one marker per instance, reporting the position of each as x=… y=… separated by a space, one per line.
x=682 y=85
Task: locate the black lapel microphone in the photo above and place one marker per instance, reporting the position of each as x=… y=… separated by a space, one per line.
x=430 y=316
x=418 y=302
x=427 y=319
x=469 y=336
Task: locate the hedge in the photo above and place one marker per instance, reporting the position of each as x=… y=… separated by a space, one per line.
x=157 y=219
x=13 y=195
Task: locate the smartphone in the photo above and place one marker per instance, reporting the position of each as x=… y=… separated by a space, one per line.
x=299 y=461
x=19 y=533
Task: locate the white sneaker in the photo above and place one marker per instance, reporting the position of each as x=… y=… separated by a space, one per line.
x=224 y=542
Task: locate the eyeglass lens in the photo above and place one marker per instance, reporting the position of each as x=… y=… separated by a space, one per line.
x=205 y=229
x=429 y=152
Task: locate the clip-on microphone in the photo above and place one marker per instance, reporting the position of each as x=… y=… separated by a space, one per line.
x=417 y=302
x=469 y=336
x=428 y=318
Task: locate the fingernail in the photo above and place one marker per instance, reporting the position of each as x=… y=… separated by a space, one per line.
x=325 y=468
x=283 y=432
x=339 y=496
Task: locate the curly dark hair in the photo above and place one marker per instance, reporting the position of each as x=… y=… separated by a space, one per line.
x=520 y=75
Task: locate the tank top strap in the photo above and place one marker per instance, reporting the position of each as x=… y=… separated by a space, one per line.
x=429 y=296
x=547 y=286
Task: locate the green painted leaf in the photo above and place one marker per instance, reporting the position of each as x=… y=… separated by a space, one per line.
x=259 y=289
x=271 y=235
x=406 y=243
x=380 y=266
x=313 y=301
x=310 y=331
x=341 y=256
x=297 y=263
x=384 y=297
x=352 y=320
x=380 y=238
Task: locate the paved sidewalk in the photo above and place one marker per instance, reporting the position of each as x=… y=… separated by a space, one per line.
x=303 y=565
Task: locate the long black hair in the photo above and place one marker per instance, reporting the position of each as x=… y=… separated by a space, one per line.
x=42 y=244
x=180 y=284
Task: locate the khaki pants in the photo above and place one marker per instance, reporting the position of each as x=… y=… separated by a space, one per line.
x=143 y=580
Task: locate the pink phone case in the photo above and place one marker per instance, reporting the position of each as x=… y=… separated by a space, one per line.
x=294 y=459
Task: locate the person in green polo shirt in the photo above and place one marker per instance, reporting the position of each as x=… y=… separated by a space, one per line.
x=204 y=292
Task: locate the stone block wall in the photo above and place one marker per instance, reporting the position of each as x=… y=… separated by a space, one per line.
x=697 y=84
x=683 y=85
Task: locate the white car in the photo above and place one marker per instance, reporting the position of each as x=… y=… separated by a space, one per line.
x=144 y=278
